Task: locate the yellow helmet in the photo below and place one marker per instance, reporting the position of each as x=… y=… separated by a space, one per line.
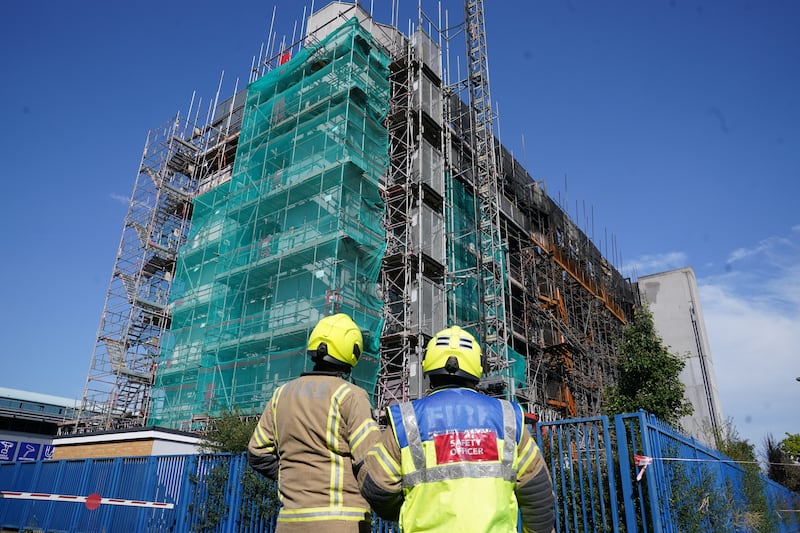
x=336 y=339
x=454 y=352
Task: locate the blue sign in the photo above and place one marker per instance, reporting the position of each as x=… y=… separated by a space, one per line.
x=11 y=450
x=47 y=451
x=7 y=450
x=28 y=451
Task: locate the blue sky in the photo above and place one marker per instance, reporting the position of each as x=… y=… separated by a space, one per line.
x=669 y=130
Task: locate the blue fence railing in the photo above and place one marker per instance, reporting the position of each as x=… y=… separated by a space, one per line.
x=690 y=487
x=579 y=455
x=687 y=487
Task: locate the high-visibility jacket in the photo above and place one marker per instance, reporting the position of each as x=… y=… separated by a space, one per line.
x=457 y=460
x=312 y=437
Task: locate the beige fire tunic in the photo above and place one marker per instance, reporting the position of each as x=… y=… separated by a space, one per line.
x=312 y=437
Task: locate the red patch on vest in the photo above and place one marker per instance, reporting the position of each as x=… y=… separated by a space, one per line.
x=474 y=445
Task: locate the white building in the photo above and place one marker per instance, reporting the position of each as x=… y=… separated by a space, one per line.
x=673 y=299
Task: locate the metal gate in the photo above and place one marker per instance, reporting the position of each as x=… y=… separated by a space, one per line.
x=579 y=454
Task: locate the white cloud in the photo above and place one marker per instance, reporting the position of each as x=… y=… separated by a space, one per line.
x=752 y=317
x=650 y=264
x=768 y=273
x=768 y=246
x=755 y=352
x=119 y=198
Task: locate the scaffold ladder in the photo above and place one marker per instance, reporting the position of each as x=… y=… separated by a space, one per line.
x=492 y=262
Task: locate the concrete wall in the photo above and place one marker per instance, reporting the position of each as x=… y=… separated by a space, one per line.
x=673 y=299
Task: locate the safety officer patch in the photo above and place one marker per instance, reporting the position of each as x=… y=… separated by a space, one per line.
x=474 y=445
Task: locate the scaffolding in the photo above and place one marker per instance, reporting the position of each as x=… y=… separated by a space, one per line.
x=135 y=316
x=413 y=267
x=492 y=261
x=295 y=235
x=359 y=176
x=547 y=306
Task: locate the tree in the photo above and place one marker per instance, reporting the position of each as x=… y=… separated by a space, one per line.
x=782 y=465
x=229 y=433
x=791 y=445
x=649 y=375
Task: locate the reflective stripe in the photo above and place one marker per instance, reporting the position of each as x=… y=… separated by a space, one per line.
x=337 y=478
x=527 y=455
x=322 y=513
x=334 y=417
x=388 y=464
x=361 y=433
x=412 y=433
x=460 y=471
x=261 y=438
x=259 y=432
x=509 y=433
x=337 y=461
x=275 y=399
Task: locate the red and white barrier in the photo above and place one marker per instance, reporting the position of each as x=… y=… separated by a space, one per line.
x=92 y=501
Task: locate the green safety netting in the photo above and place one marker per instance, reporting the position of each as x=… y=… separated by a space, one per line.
x=295 y=235
x=464 y=297
x=465 y=306
x=518 y=368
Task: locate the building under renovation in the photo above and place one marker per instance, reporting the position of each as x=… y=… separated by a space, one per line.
x=353 y=174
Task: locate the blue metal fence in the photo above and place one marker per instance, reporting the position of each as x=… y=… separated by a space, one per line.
x=160 y=479
x=579 y=455
x=688 y=487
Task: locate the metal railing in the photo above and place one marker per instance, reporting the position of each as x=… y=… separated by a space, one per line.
x=632 y=473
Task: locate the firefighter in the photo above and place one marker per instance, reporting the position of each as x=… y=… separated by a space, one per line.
x=457 y=460
x=314 y=434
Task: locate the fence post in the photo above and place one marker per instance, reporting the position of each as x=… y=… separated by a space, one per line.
x=182 y=518
x=625 y=469
x=652 y=486
x=612 y=484
x=234 y=493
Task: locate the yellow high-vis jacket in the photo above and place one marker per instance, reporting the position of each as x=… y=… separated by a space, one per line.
x=457 y=460
x=312 y=438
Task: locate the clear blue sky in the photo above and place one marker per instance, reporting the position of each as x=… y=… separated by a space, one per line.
x=670 y=131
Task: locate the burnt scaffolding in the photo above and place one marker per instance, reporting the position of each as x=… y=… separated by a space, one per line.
x=563 y=304
x=357 y=176
x=413 y=265
x=517 y=265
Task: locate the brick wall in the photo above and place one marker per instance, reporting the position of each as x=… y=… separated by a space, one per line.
x=104 y=449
